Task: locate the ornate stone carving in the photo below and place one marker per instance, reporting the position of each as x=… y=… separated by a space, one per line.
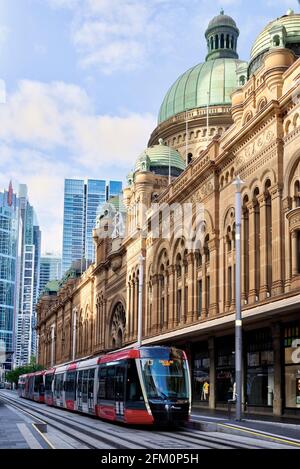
x=254 y=147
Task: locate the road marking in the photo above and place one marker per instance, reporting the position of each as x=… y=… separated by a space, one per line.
x=261 y=434
x=29 y=437
x=43 y=436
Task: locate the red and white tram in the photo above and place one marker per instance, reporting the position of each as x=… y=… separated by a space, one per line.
x=146 y=385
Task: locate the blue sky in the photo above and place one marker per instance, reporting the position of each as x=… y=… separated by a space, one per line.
x=85 y=80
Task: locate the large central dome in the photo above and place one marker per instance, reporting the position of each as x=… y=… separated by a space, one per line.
x=209 y=83
x=212 y=82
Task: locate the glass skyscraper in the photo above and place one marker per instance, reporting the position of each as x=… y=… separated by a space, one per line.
x=9 y=228
x=82 y=201
x=50 y=270
x=114 y=188
x=29 y=272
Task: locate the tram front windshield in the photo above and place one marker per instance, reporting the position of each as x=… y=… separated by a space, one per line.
x=165 y=379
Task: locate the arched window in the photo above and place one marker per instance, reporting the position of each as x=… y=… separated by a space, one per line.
x=297 y=194
x=217 y=41
x=190 y=158
x=276 y=41
x=211 y=43
x=117 y=326
x=222 y=41
x=242 y=80
x=227 y=41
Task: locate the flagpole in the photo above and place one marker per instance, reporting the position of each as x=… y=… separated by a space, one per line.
x=169 y=164
x=207 y=117
x=186 y=137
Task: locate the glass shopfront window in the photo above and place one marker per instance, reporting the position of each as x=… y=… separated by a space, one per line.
x=225 y=369
x=201 y=375
x=260 y=368
x=292 y=365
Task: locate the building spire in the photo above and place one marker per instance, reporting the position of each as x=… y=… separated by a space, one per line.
x=10 y=195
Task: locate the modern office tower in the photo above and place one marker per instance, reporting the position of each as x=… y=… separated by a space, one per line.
x=114 y=189
x=50 y=269
x=9 y=229
x=82 y=201
x=29 y=267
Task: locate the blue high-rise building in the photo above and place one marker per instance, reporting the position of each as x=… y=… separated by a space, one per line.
x=114 y=189
x=95 y=196
x=9 y=230
x=73 y=227
x=28 y=279
x=82 y=202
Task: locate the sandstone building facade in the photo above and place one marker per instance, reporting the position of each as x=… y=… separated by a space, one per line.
x=222 y=118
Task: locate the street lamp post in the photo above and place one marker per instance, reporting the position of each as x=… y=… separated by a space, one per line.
x=238 y=322
x=140 y=308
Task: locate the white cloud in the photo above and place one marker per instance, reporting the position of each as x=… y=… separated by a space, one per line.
x=49 y=132
x=121 y=35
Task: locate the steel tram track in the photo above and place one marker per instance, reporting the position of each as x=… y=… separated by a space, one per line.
x=68 y=428
x=88 y=435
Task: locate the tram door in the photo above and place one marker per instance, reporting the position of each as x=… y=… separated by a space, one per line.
x=119 y=391
x=91 y=380
x=82 y=396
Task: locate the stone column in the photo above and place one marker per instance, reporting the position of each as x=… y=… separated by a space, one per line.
x=171 y=286
x=213 y=248
x=183 y=293
x=278 y=364
x=252 y=267
x=212 y=372
x=294 y=254
x=191 y=288
x=277 y=237
x=204 y=300
x=155 y=300
x=226 y=275
x=136 y=308
x=287 y=205
x=263 y=288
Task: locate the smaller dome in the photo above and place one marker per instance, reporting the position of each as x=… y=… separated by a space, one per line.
x=159 y=159
x=222 y=20
x=281 y=32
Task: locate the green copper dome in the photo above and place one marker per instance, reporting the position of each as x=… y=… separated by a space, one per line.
x=282 y=32
x=221 y=20
x=211 y=82
x=159 y=158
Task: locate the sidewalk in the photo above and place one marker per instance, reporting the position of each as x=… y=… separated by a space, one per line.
x=210 y=420
x=16 y=431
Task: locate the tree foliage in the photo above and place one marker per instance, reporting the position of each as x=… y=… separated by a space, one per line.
x=13 y=375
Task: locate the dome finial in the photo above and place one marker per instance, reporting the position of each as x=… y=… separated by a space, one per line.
x=290 y=12
x=222 y=11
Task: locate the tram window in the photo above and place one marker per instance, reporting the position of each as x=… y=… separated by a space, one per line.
x=133 y=387
x=91 y=383
x=120 y=371
x=38 y=384
x=70 y=385
x=48 y=382
x=110 y=383
x=102 y=381
x=79 y=384
x=58 y=385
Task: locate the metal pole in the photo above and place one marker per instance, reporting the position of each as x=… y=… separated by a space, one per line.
x=207 y=116
x=186 y=137
x=52 y=344
x=169 y=164
x=238 y=323
x=74 y=334
x=140 y=309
